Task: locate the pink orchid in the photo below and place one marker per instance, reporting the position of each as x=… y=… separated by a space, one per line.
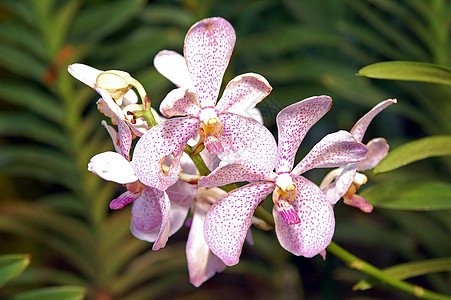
x=345 y=181
x=208 y=47
x=156 y=214
x=202 y=263
x=303 y=217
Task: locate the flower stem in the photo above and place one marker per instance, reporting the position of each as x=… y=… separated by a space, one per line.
x=198 y=162
x=147 y=114
x=356 y=263
x=261 y=213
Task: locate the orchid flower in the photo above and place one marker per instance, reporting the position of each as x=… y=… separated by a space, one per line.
x=156 y=214
x=202 y=263
x=208 y=47
x=345 y=181
x=118 y=100
x=303 y=217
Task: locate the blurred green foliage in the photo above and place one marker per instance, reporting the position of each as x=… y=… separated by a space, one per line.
x=54 y=209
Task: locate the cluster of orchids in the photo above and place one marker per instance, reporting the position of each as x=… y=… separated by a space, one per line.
x=186 y=163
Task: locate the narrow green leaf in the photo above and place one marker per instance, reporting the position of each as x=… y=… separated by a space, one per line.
x=29 y=126
x=90 y=24
x=61 y=23
x=411 y=195
x=417 y=150
x=408 y=270
x=167 y=14
x=33 y=99
x=23 y=37
x=22 y=63
x=54 y=293
x=11 y=266
x=407 y=70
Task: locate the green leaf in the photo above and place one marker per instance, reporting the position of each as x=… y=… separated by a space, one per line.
x=11 y=266
x=411 y=195
x=410 y=71
x=32 y=98
x=408 y=270
x=54 y=293
x=417 y=150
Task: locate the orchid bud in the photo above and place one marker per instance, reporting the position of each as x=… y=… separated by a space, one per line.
x=116 y=83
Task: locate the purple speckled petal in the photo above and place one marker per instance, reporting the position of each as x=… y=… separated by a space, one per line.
x=238 y=171
x=125 y=138
x=124 y=199
x=242 y=93
x=341 y=184
x=202 y=263
x=150 y=217
x=167 y=138
x=230 y=217
x=245 y=139
x=180 y=102
x=84 y=73
x=293 y=122
x=377 y=150
x=359 y=202
x=172 y=65
x=112 y=166
x=314 y=233
x=359 y=129
x=208 y=47
x=334 y=150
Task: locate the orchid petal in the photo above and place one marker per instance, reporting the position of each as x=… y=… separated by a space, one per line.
x=124 y=199
x=314 y=233
x=238 y=171
x=230 y=217
x=208 y=47
x=334 y=150
x=202 y=263
x=293 y=122
x=172 y=65
x=111 y=104
x=112 y=166
x=246 y=139
x=182 y=193
x=162 y=140
x=377 y=150
x=125 y=138
x=86 y=74
x=180 y=102
x=359 y=129
x=113 y=134
x=341 y=185
x=150 y=217
x=359 y=202
x=242 y=94
x=130 y=98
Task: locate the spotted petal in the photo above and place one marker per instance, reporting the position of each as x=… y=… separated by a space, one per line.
x=161 y=141
x=238 y=171
x=334 y=150
x=377 y=150
x=359 y=129
x=150 y=217
x=293 y=122
x=230 y=217
x=180 y=102
x=172 y=65
x=124 y=199
x=202 y=263
x=314 y=233
x=245 y=139
x=208 y=47
x=242 y=94
x=112 y=166
x=86 y=74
